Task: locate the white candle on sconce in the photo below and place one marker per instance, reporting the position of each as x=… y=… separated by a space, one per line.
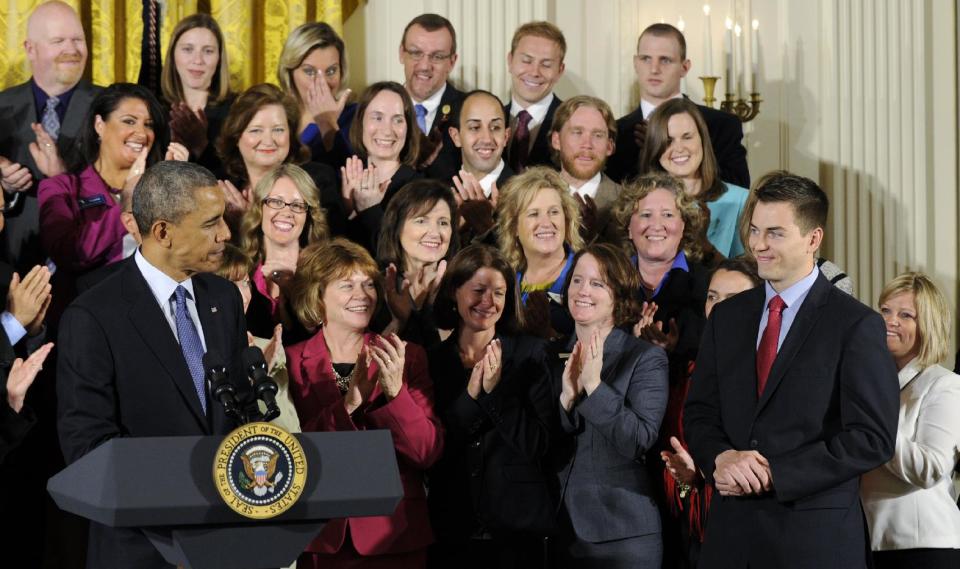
x=707 y=43
x=728 y=55
x=738 y=58
x=755 y=56
x=681 y=25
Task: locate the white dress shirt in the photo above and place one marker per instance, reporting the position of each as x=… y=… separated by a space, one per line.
x=911 y=501
x=163 y=287
x=588 y=188
x=431 y=104
x=646 y=107
x=538 y=112
x=486 y=182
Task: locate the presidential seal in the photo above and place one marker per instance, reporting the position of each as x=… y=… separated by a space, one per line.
x=260 y=470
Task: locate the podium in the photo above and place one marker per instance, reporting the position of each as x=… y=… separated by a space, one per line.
x=165 y=486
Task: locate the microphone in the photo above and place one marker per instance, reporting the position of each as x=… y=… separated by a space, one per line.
x=264 y=386
x=220 y=386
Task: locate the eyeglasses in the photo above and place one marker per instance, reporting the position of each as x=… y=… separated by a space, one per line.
x=418 y=55
x=277 y=203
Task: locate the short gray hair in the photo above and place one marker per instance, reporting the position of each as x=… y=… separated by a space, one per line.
x=166 y=191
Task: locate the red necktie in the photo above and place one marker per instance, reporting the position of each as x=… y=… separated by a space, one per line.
x=767 y=350
x=520 y=149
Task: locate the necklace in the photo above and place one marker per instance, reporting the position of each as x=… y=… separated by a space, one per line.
x=343 y=382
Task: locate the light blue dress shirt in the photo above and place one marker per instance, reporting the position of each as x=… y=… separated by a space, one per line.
x=163 y=287
x=793 y=297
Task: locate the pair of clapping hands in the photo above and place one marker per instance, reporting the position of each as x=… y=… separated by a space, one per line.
x=388 y=352
x=653 y=332
x=414 y=291
x=581 y=373
x=28 y=300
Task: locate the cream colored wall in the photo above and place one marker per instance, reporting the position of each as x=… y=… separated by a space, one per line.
x=860 y=95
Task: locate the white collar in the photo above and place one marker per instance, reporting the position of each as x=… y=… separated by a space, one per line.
x=433 y=101
x=590 y=187
x=486 y=182
x=161 y=284
x=646 y=107
x=538 y=110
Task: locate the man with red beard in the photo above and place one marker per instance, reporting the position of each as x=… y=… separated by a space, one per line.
x=40 y=119
x=582 y=138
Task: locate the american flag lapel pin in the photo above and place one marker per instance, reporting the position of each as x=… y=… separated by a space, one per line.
x=213 y=309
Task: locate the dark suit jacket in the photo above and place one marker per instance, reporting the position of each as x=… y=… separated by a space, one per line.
x=20 y=240
x=726 y=134
x=447 y=163
x=540 y=151
x=490 y=475
x=121 y=373
x=827 y=415
x=604 y=484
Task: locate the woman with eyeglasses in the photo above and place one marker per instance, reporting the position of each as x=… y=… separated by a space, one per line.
x=286 y=218
x=311 y=69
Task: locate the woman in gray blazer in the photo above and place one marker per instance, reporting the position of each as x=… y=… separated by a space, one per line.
x=612 y=395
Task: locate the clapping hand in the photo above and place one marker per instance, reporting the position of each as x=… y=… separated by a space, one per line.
x=361 y=385
x=361 y=187
x=29 y=298
x=15 y=177
x=475 y=208
x=44 y=152
x=654 y=334
x=237 y=201
x=136 y=171
x=389 y=354
x=189 y=128
x=22 y=374
x=640 y=135
x=592 y=358
x=647 y=312
x=570 y=386
x=426 y=283
x=679 y=463
x=398 y=295
x=487 y=371
x=177 y=151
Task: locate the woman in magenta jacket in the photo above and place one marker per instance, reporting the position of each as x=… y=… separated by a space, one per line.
x=346 y=378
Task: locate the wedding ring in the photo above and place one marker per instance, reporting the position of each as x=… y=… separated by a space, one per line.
x=47 y=144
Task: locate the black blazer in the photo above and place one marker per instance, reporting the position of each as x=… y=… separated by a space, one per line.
x=828 y=414
x=447 y=163
x=121 y=373
x=20 y=241
x=726 y=135
x=540 y=151
x=490 y=476
x=605 y=486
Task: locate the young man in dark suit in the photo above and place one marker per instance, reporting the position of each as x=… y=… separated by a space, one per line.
x=794 y=396
x=131 y=348
x=660 y=63
x=54 y=101
x=535 y=63
x=428 y=52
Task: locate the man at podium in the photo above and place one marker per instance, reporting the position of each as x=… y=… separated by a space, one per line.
x=131 y=349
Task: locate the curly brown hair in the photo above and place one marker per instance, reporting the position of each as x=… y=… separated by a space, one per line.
x=694 y=215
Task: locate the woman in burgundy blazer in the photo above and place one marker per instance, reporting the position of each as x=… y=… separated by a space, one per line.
x=346 y=378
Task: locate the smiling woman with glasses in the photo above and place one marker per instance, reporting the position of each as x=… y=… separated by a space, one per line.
x=312 y=69
x=289 y=218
